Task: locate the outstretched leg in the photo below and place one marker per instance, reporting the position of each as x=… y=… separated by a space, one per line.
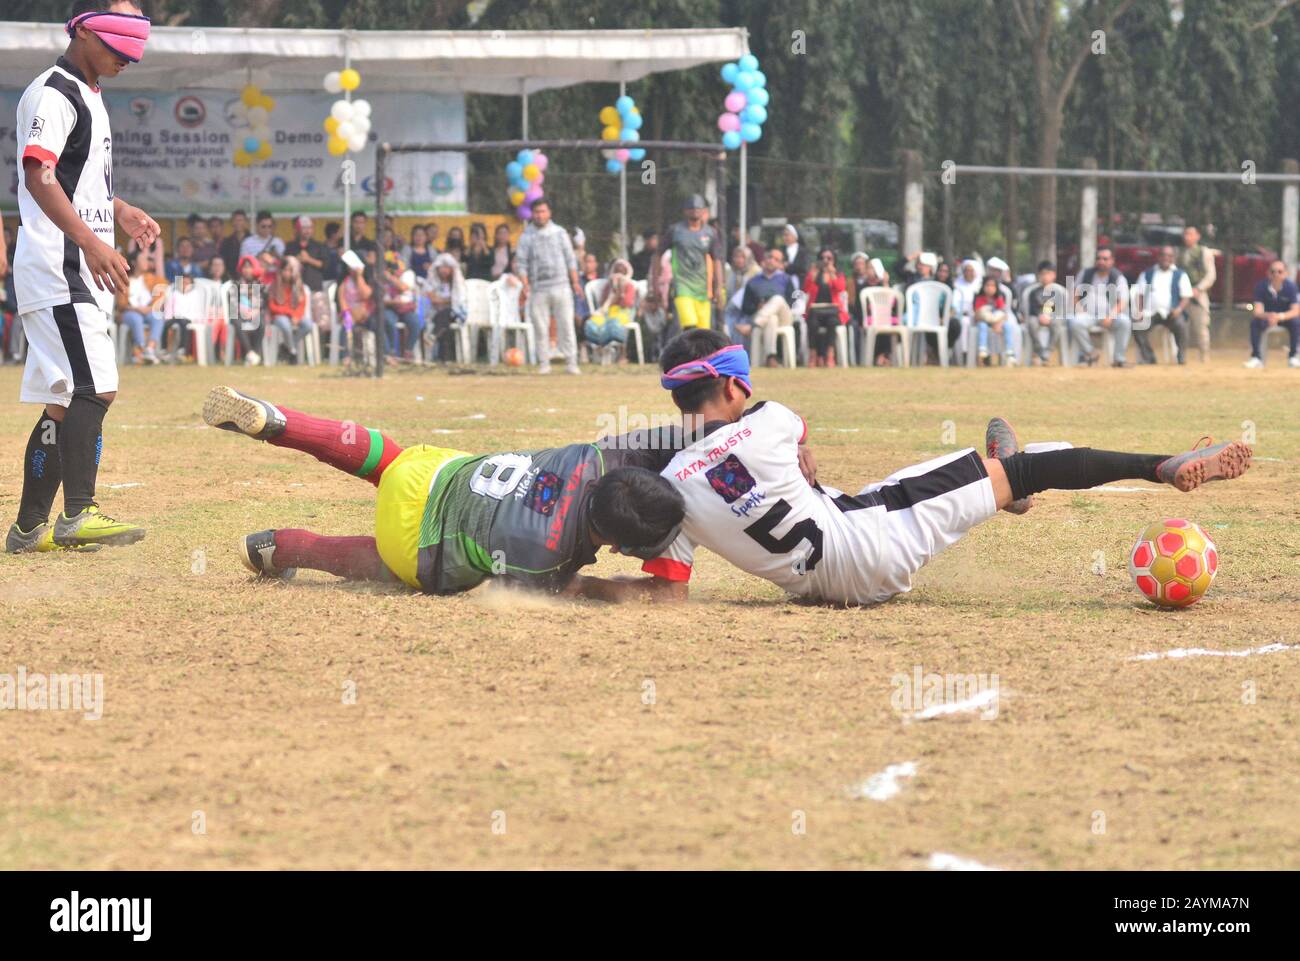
x=281 y=553
x=343 y=444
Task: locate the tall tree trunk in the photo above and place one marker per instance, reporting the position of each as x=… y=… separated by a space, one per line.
x=1011 y=220
x=1049 y=147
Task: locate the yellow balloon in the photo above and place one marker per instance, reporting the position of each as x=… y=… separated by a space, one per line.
x=338 y=146
x=349 y=79
x=331 y=125
x=242 y=158
x=267 y=103
x=263 y=151
x=516 y=198
x=531 y=173
x=609 y=116
x=609 y=133
x=251 y=96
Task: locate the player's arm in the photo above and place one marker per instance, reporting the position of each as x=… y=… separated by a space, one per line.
x=618 y=590
x=4 y=251
x=135 y=223
x=107 y=266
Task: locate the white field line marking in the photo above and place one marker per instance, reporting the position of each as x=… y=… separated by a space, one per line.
x=940 y=861
x=118 y=487
x=443 y=430
x=1125 y=490
x=957 y=707
x=1205 y=652
x=885 y=784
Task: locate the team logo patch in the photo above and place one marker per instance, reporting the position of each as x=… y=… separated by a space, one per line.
x=544 y=493
x=38 y=127
x=730 y=479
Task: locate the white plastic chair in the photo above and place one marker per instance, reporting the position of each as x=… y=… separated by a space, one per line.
x=784 y=337
x=478 y=320
x=503 y=329
x=878 y=305
x=927 y=305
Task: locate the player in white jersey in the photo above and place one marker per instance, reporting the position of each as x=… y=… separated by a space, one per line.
x=66 y=272
x=752 y=497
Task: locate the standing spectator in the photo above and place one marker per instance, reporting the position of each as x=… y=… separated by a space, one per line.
x=264 y=245
x=1277 y=304
x=827 y=308
x=643 y=261
x=478 y=256
x=183 y=264
x=1046 y=313
x=362 y=244
x=421 y=254
x=549 y=270
x=311 y=254
x=400 y=307
x=215 y=227
x=1198 y=263
x=456 y=246
x=287 y=303
x=433 y=232
x=695 y=255
x=141 y=303
x=991 y=315
x=1163 y=293
x=1101 y=300
x=233 y=242
x=205 y=246
x=797 y=261
x=333 y=269
x=355 y=298
x=447 y=299
x=247 y=309
x=501 y=252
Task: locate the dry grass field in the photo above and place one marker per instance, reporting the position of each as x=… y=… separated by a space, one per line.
x=320 y=724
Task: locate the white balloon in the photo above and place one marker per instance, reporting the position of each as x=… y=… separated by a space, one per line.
x=257 y=116
x=239 y=112
x=341 y=110
x=360 y=124
x=332 y=83
x=357 y=142
x=261 y=133
x=346 y=130
x=361 y=108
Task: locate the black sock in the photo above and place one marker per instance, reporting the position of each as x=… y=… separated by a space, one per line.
x=80 y=442
x=42 y=472
x=1076 y=468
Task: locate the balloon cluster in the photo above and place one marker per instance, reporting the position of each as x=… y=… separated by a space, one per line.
x=526 y=174
x=255 y=108
x=742 y=121
x=348 y=124
x=621 y=122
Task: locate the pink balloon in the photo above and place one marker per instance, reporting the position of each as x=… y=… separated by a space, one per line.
x=728 y=121
x=540 y=161
x=524 y=212
x=735 y=101
x=532 y=194
x=622 y=154
x=541 y=179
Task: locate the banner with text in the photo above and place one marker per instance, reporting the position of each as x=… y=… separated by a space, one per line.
x=173 y=153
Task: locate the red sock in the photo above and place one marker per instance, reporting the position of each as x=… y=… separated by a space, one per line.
x=340 y=443
x=355 y=558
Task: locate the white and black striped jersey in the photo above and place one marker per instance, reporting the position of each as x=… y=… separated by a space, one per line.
x=62 y=123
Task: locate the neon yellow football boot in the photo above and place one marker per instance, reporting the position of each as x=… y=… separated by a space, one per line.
x=39 y=540
x=93 y=526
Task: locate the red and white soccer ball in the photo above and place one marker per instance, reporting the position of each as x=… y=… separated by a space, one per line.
x=1173 y=563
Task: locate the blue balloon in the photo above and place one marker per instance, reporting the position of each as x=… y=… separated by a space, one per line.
x=754 y=114
x=750 y=132
x=729 y=71
x=744 y=81
x=636 y=153
x=514 y=170
x=731 y=140
x=627 y=134
x=251 y=144
x=624 y=105
x=632 y=121
x=760 y=79
x=759 y=96
x=525 y=157
x=748 y=62
x=614 y=166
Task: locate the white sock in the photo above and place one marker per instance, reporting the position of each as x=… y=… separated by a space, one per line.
x=1043 y=446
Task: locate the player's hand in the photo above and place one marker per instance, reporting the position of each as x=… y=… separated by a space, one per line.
x=807 y=464
x=107 y=266
x=138 y=225
x=4 y=263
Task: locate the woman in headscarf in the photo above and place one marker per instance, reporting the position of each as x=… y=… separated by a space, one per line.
x=607 y=327
x=965 y=288
x=739 y=270
x=447 y=299
x=247 y=308
x=797 y=261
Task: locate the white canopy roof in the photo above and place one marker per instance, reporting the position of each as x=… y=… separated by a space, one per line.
x=495 y=62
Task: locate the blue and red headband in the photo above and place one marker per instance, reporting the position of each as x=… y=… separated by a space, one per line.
x=730 y=361
x=123 y=33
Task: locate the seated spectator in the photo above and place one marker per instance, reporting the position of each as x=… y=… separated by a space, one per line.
x=183 y=264
x=311 y=254
x=433 y=232
x=965 y=288
x=333 y=269
x=918 y=267
x=231 y=245
x=589 y=269
x=797 y=261
x=869 y=272
x=479 y=258
x=827 y=308
x=1162 y=294
x=943 y=273
x=608 y=325
x=1277 y=304
x=355 y=299
x=263 y=245
x=765 y=304
x=1046 y=313
x=991 y=315
x=455 y=246
x=420 y=253
x=501 y=252
x=185 y=302
x=1101 y=300
x=643 y=260
x=740 y=269
x=204 y=244
x=512 y=289
x=246 y=308
x=400 y=307
x=288 y=299
x=217 y=270
x=449 y=303
x=141 y=304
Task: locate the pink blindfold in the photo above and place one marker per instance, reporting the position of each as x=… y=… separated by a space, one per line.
x=123 y=33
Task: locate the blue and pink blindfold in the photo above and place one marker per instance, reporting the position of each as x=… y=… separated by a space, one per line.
x=730 y=361
x=123 y=33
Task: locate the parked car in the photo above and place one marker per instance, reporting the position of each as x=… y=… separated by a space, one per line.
x=844 y=235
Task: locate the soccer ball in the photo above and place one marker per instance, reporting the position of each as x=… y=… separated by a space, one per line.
x=1173 y=563
x=514 y=357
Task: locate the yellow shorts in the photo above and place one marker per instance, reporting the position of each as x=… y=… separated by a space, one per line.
x=399 y=506
x=693 y=313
